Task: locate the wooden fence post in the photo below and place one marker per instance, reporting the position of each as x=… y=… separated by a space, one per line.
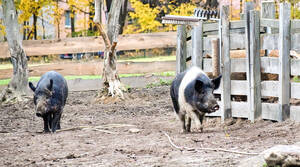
x=225 y=64
x=254 y=67
x=181 y=49
x=197 y=45
x=284 y=45
x=215 y=57
x=248 y=6
x=268 y=11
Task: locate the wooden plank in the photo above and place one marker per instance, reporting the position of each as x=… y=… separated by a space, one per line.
x=215 y=57
x=295 y=113
x=268 y=11
x=268 y=65
x=237 y=24
x=295 y=67
x=248 y=7
x=270 y=41
x=271 y=111
x=272 y=23
x=210 y=26
x=295 y=24
x=268 y=87
x=295 y=93
x=181 y=50
x=284 y=60
x=254 y=67
x=225 y=64
x=93 y=44
x=232 y=31
x=240 y=87
x=237 y=41
x=197 y=45
x=295 y=42
x=240 y=109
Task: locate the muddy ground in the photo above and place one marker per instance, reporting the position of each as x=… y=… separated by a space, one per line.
x=130 y=133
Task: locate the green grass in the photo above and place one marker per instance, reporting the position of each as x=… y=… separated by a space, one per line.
x=34 y=79
x=149 y=59
x=296 y=79
x=162 y=82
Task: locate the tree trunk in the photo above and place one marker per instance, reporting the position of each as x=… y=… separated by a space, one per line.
x=111 y=80
x=18 y=84
x=34 y=27
x=43 y=25
x=123 y=15
x=91 y=17
x=58 y=21
x=72 y=23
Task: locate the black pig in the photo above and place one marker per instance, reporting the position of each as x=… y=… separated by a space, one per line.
x=192 y=96
x=50 y=97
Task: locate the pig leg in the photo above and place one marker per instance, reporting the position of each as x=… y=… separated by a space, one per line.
x=58 y=123
x=197 y=120
x=200 y=117
x=55 y=120
x=46 y=119
x=50 y=120
x=181 y=117
x=188 y=124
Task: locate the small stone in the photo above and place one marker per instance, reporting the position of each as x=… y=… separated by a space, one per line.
x=134 y=130
x=284 y=155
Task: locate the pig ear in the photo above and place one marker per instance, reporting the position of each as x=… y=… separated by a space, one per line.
x=198 y=85
x=50 y=85
x=32 y=86
x=217 y=82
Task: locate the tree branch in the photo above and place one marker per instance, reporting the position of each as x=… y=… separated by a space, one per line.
x=104 y=35
x=206 y=149
x=113 y=47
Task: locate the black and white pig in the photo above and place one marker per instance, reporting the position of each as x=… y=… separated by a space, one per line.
x=192 y=97
x=50 y=97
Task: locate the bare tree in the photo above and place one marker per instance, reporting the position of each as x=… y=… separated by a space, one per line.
x=111 y=80
x=18 y=84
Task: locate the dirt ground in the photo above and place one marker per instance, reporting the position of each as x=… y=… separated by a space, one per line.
x=130 y=133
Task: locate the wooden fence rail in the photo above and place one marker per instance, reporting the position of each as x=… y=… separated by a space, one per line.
x=258 y=31
x=93 y=44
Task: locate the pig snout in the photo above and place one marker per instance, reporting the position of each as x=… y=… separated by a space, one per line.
x=40 y=109
x=216 y=107
x=213 y=107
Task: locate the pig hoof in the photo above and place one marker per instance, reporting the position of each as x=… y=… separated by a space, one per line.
x=200 y=129
x=184 y=131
